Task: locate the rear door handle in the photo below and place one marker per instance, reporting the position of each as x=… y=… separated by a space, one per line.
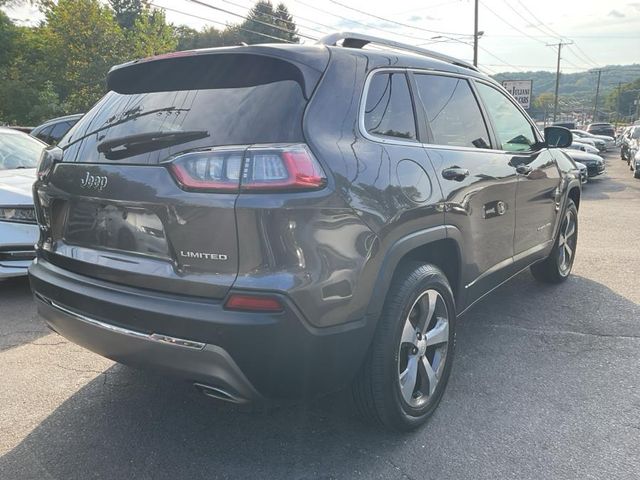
x=455 y=173
x=524 y=169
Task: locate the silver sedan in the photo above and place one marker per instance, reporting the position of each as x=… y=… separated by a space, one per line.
x=19 y=155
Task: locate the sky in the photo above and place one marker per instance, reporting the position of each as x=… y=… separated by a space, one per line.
x=516 y=32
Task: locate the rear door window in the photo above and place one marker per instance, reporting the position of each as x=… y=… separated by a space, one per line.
x=453 y=114
x=389 y=110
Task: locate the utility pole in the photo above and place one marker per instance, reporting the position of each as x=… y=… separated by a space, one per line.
x=475 y=35
x=595 y=106
x=555 y=102
x=618 y=103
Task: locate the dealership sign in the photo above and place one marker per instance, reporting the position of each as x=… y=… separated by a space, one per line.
x=520 y=90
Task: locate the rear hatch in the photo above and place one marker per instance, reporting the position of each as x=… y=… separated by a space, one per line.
x=143 y=188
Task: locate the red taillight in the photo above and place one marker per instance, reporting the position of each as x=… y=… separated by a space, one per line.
x=288 y=168
x=211 y=170
x=259 y=169
x=253 y=303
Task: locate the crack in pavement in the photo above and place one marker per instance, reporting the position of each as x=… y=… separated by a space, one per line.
x=564 y=332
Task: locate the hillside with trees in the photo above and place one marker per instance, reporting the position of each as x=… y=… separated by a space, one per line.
x=59 y=66
x=577 y=92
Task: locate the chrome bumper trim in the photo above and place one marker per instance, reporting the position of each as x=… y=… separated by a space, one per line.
x=154 y=337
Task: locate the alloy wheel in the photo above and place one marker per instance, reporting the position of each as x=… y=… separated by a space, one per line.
x=567 y=242
x=423 y=348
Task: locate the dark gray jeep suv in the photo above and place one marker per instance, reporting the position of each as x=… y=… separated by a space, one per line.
x=283 y=220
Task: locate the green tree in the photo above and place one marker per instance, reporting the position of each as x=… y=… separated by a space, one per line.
x=25 y=95
x=8 y=34
x=285 y=20
x=621 y=102
x=271 y=26
x=84 y=42
x=150 y=35
x=128 y=11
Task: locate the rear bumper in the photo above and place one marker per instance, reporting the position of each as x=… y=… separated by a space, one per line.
x=10 y=269
x=199 y=362
x=249 y=355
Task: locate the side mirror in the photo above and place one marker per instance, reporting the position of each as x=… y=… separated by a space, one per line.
x=557 y=137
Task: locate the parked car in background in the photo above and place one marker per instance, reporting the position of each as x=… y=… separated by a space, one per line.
x=52 y=131
x=634 y=149
x=584 y=173
x=594 y=163
x=596 y=143
x=585 y=137
x=609 y=142
x=630 y=136
x=634 y=164
x=602 y=129
x=584 y=147
x=569 y=125
x=19 y=154
x=20 y=128
x=293 y=254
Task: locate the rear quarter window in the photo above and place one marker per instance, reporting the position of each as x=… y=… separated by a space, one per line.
x=388 y=110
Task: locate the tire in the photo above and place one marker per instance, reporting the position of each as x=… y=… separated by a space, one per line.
x=390 y=362
x=556 y=268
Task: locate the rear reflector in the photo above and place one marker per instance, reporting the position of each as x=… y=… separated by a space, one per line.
x=253 y=303
x=258 y=169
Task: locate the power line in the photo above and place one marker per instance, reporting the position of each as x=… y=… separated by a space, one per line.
x=512 y=25
x=219 y=23
x=540 y=22
x=395 y=22
x=228 y=12
x=366 y=25
x=554 y=33
x=295 y=23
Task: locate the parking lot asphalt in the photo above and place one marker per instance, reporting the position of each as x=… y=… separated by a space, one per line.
x=545 y=385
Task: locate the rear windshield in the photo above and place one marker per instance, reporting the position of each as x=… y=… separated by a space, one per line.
x=146 y=128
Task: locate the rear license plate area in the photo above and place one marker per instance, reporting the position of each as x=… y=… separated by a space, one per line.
x=115 y=227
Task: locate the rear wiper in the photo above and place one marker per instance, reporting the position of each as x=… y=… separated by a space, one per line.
x=130 y=145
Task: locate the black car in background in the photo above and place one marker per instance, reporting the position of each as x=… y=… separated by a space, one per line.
x=287 y=220
x=594 y=163
x=52 y=131
x=602 y=129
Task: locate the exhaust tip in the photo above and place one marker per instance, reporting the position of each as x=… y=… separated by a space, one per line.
x=220 y=394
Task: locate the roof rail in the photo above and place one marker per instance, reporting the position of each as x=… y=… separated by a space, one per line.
x=359 y=40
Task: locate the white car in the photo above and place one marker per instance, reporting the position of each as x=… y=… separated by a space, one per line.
x=19 y=155
x=602 y=142
x=584 y=147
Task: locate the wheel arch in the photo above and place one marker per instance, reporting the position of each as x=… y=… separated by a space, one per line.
x=439 y=246
x=574 y=194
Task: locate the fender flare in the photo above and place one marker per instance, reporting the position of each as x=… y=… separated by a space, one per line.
x=403 y=246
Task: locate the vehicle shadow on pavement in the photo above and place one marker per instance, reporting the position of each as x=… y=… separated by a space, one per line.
x=529 y=370
x=601 y=188
x=17 y=325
